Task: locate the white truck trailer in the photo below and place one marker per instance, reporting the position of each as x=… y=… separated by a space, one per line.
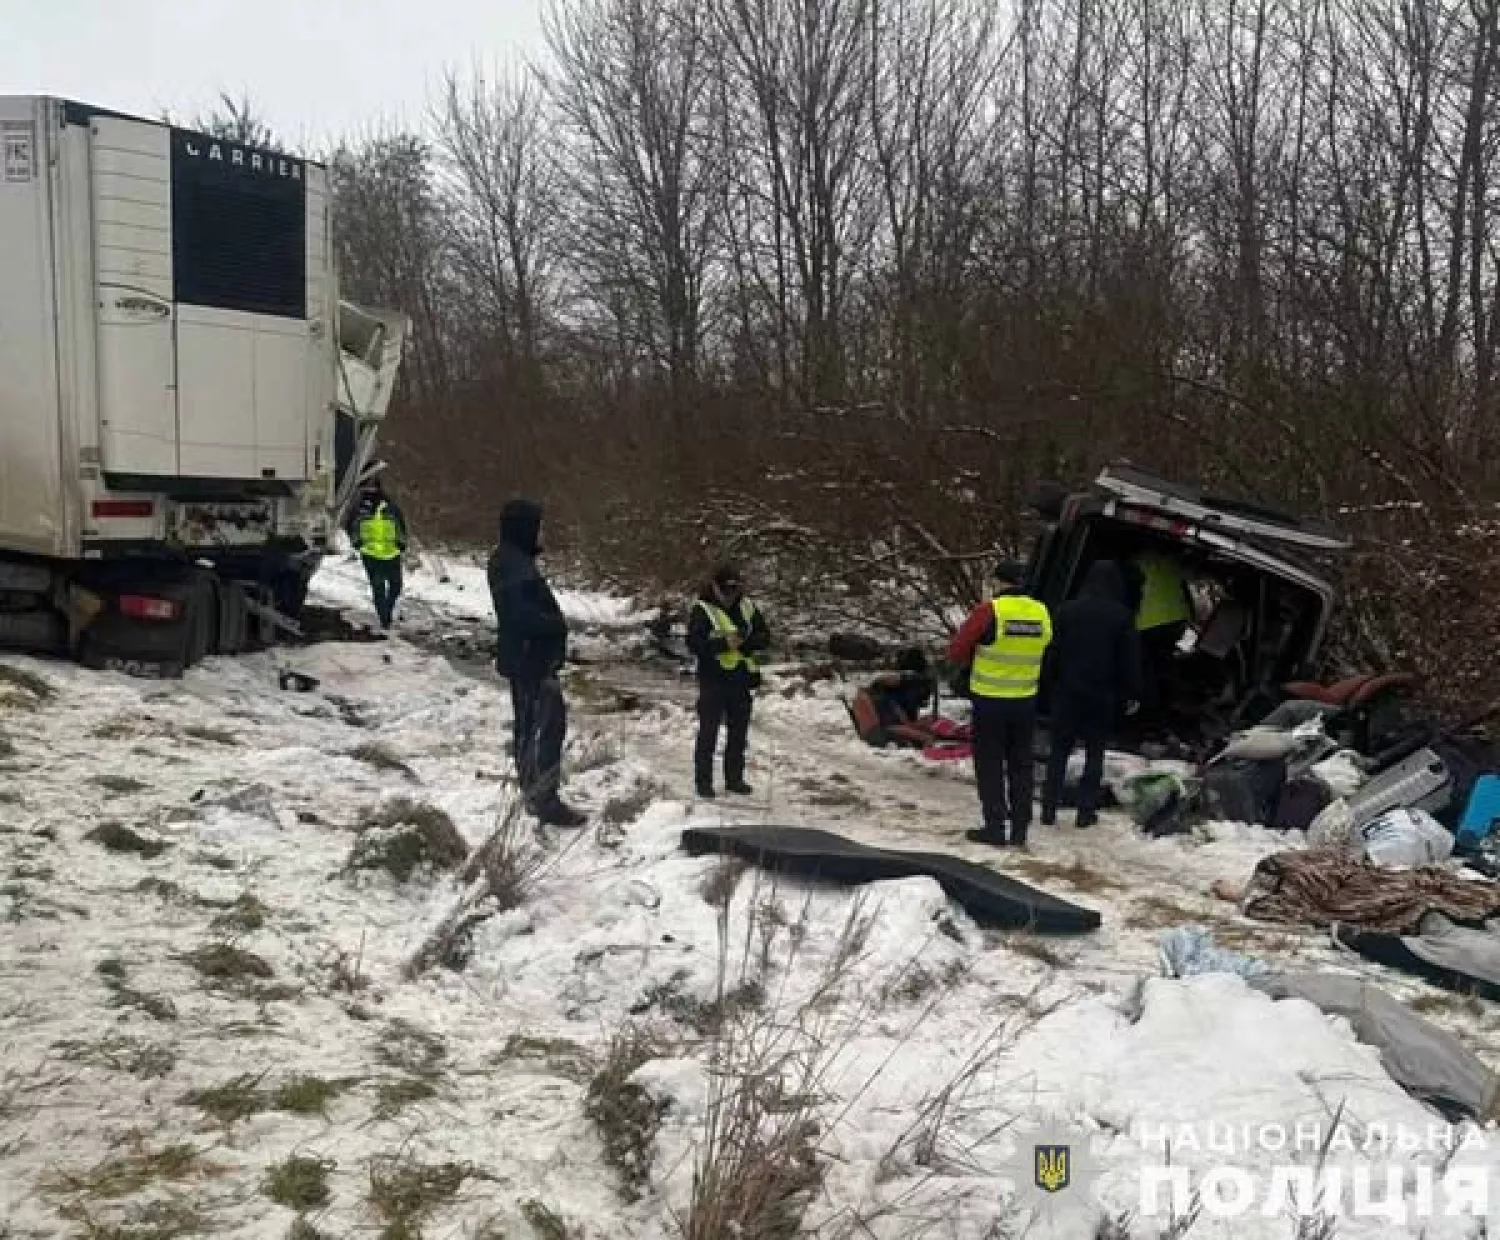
x=186 y=407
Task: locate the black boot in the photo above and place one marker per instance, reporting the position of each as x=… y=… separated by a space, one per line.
x=705 y=789
x=559 y=814
x=739 y=787
x=996 y=839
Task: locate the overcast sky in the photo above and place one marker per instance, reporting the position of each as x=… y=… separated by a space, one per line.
x=316 y=68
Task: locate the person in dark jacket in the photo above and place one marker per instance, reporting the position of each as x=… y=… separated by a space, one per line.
x=377 y=529
x=1093 y=672
x=531 y=645
x=725 y=631
x=903 y=696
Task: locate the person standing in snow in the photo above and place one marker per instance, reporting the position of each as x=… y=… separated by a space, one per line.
x=378 y=532
x=725 y=631
x=1001 y=645
x=531 y=645
x=1093 y=671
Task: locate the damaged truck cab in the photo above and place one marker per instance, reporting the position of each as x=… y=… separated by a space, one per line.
x=1261 y=599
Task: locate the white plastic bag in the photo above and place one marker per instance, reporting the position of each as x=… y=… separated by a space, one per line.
x=1330 y=829
x=1342 y=773
x=1403 y=837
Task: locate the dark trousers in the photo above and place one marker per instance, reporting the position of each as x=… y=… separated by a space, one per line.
x=1158 y=657
x=722 y=704
x=385 y=587
x=1075 y=722
x=1004 y=732
x=541 y=728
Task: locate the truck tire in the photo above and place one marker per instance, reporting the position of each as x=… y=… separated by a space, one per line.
x=234 y=619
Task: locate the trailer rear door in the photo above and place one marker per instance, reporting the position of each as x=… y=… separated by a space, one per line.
x=132 y=207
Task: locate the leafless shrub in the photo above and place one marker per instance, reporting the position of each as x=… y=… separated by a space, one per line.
x=403 y=836
x=498 y=876
x=626 y=1116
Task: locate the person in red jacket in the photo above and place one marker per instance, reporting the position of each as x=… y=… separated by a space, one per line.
x=1002 y=645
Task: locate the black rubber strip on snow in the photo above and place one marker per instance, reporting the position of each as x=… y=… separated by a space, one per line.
x=988 y=896
x=1392 y=951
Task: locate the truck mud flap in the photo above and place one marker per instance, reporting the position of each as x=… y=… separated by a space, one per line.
x=44 y=632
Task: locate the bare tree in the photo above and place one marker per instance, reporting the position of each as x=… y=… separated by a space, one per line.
x=501 y=191
x=633 y=84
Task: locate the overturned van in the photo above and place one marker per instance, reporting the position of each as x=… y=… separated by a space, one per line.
x=1260 y=584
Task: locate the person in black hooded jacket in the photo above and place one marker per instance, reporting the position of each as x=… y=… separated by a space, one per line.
x=725 y=631
x=531 y=645
x=1093 y=671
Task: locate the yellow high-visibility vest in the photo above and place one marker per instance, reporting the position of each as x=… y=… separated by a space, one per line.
x=724 y=626
x=1163 y=595
x=379 y=537
x=1011 y=665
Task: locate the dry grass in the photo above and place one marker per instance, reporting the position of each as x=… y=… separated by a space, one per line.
x=242 y=1097
x=1448 y=1004
x=1076 y=873
x=230 y=1102
x=117 y=837
x=560 y=1056
x=381 y=757
x=394 y=1096
x=625 y=1115
x=120 y=785
x=228 y=967
x=499 y=875
x=209 y=735
x=625 y=807
x=113 y=974
x=705 y=1017
x=165 y=1219
x=1037 y=948
x=245 y=916
x=416 y=1052
x=719 y=887
x=403 y=836
x=918 y=984
x=545 y=1221
x=21 y=689
x=121 y=1053
x=404 y=1192
x=125 y=1175
x=1153 y=912
x=299 y=1182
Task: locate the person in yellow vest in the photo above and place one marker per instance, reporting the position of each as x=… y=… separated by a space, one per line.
x=1002 y=645
x=378 y=531
x=726 y=632
x=1163 y=610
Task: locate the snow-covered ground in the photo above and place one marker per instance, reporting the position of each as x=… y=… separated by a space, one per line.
x=156 y=1082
